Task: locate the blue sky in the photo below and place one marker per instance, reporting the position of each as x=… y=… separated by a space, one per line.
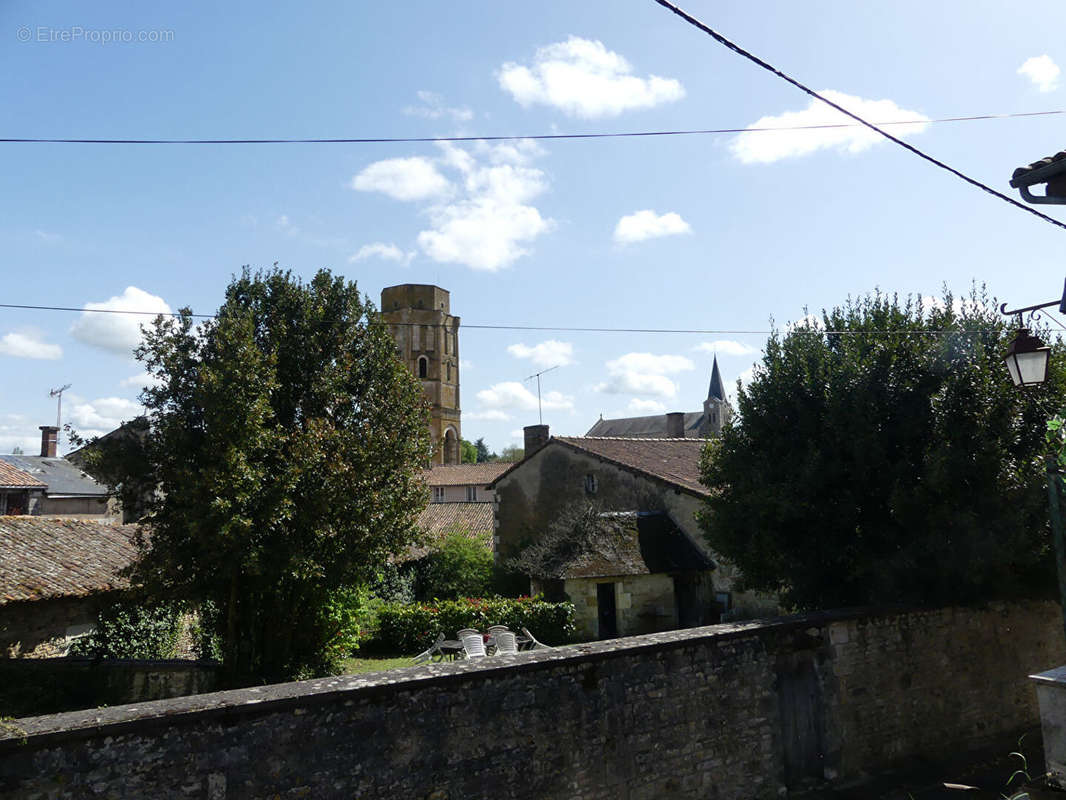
x=705 y=232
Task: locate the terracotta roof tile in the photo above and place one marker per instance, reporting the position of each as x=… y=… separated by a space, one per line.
x=474 y=519
x=675 y=461
x=12 y=476
x=466 y=474
x=46 y=557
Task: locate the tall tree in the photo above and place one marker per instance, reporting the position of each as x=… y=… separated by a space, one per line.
x=467 y=452
x=882 y=455
x=482 y=451
x=280 y=464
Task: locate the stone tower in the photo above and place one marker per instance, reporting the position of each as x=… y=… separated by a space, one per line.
x=427 y=339
x=716 y=408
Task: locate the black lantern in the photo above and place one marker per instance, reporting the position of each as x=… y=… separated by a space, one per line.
x=1027 y=359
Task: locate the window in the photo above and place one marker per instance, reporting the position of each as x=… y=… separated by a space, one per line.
x=471 y=494
x=590 y=484
x=438 y=494
x=423 y=367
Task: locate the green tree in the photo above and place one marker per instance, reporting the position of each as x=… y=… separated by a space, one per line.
x=280 y=462
x=482 y=452
x=882 y=455
x=467 y=452
x=462 y=566
x=512 y=453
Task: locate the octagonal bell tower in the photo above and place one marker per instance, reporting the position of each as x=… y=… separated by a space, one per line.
x=427 y=339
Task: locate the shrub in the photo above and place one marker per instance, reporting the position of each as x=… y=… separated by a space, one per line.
x=126 y=629
x=461 y=567
x=412 y=627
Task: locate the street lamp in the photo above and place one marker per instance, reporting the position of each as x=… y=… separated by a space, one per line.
x=1027 y=359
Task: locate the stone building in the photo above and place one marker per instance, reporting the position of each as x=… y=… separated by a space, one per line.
x=464 y=483
x=54 y=575
x=68 y=491
x=676 y=425
x=641 y=475
x=427 y=339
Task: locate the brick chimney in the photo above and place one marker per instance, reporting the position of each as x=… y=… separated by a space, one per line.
x=536 y=437
x=675 y=425
x=49 y=437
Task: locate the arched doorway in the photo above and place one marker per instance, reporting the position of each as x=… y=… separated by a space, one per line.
x=451 y=447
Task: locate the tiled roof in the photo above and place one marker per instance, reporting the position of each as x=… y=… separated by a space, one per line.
x=45 y=557
x=62 y=477
x=466 y=474
x=675 y=461
x=11 y=477
x=629 y=543
x=439 y=519
x=1038 y=171
x=652 y=427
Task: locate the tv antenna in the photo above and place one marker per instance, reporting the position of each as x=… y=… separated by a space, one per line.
x=540 y=412
x=58 y=393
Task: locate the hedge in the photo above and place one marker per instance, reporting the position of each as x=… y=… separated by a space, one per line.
x=412 y=627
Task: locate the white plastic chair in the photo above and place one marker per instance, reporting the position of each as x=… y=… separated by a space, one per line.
x=533 y=643
x=506 y=643
x=434 y=650
x=473 y=644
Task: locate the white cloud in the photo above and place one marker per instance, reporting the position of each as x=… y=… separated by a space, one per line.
x=638 y=406
x=118 y=333
x=641 y=225
x=492 y=414
x=514 y=396
x=414 y=178
x=768 y=146
x=551 y=353
x=16 y=430
x=644 y=373
x=488 y=226
x=726 y=347
x=45 y=236
x=1042 y=71
x=386 y=252
x=434 y=107
x=583 y=78
x=102 y=415
x=28 y=345
x=140 y=381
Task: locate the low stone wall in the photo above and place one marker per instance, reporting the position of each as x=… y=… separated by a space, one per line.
x=51 y=685
x=729 y=711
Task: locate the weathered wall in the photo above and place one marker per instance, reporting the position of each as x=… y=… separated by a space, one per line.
x=43 y=628
x=703 y=713
x=50 y=685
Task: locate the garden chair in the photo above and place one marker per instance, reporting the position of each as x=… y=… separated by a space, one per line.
x=473 y=644
x=434 y=650
x=506 y=643
x=494 y=628
x=468 y=631
x=533 y=643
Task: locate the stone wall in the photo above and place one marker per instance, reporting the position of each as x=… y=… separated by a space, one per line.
x=49 y=685
x=730 y=711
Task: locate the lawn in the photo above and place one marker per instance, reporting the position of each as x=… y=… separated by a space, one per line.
x=359 y=666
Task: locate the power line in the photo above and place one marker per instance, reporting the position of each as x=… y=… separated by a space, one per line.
x=804 y=88
x=535 y=137
x=536 y=328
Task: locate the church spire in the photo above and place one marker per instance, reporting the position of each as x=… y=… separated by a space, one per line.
x=716 y=390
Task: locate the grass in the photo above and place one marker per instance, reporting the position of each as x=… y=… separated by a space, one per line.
x=360 y=666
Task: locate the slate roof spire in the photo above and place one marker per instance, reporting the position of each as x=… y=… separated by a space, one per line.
x=716 y=391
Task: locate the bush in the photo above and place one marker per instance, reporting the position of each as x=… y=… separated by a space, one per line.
x=461 y=567
x=126 y=629
x=412 y=627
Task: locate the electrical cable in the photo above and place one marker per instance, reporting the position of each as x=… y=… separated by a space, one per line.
x=534 y=328
x=534 y=137
x=806 y=89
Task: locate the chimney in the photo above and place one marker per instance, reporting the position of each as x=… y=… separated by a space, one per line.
x=49 y=437
x=675 y=425
x=536 y=437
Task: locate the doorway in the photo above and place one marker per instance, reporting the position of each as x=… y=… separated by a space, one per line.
x=607 y=611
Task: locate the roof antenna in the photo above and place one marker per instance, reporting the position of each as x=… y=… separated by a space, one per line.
x=540 y=413
x=58 y=393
